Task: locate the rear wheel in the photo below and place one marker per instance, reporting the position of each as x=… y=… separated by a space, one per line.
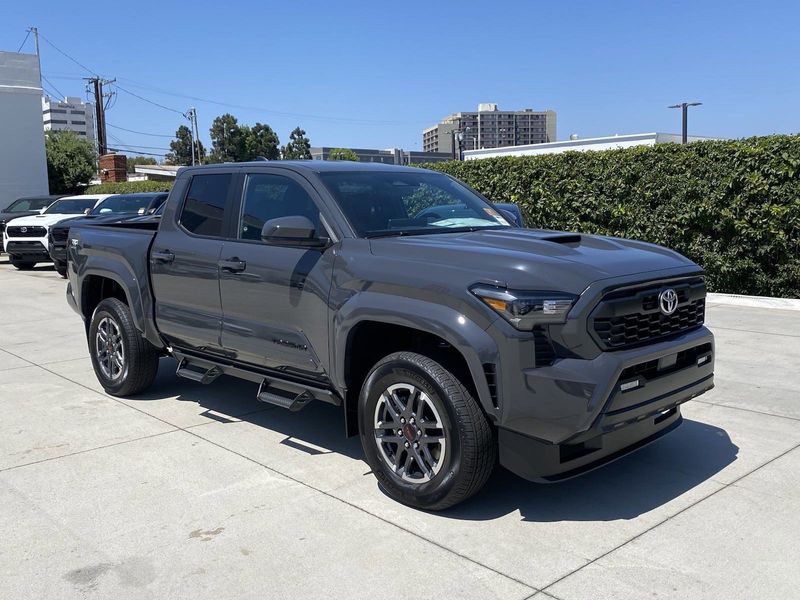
x=23 y=265
x=124 y=362
x=426 y=438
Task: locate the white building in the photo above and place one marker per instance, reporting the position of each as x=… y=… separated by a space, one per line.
x=578 y=145
x=23 y=166
x=70 y=113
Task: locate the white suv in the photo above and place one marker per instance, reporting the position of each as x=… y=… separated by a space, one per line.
x=25 y=238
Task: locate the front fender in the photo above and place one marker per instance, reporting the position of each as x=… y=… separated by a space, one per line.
x=471 y=341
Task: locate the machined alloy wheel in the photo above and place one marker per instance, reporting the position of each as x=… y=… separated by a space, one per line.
x=409 y=433
x=109 y=349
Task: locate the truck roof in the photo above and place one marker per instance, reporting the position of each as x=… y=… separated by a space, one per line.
x=316 y=166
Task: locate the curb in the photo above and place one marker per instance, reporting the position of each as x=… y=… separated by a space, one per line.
x=754 y=301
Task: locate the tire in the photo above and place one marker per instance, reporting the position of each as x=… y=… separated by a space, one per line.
x=23 y=265
x=456 y=470
x=61 y=268
x=136 y=366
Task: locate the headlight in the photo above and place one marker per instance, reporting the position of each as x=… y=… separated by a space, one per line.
x=525 y=310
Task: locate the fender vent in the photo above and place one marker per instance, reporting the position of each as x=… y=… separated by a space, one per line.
x=545 y=354
x=490 y=372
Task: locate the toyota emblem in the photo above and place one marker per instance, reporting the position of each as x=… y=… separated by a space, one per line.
x=668 y=301
x=24 y=230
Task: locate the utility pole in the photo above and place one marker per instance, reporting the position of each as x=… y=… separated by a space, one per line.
x=684 y=106
x=191 y=114
x=35 y=32
x=100 y=112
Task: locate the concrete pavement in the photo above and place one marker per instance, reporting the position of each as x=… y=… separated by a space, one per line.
x=200 y=491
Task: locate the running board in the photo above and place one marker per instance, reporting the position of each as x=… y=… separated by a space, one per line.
x=204 y=376
x=283 y=398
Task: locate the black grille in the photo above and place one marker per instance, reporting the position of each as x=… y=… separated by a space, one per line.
x=31 y=231
x=632 y=317
x=651 y=369
x=59 y=234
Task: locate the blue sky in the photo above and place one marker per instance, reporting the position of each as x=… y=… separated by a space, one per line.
x=374 y=74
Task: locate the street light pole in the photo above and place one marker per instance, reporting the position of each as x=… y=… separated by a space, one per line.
x=684 y=106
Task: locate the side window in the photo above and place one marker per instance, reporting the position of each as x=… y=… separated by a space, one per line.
x=269 y=197
x=204 y=208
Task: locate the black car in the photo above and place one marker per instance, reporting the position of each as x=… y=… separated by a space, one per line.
x=115 y=209
x=24 y=207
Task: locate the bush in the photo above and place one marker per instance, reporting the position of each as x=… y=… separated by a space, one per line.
x=70 y=161
x=129 y=187
x=731 y=206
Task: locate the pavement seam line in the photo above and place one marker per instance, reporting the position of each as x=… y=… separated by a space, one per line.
x=669 y=518
x=36 y=462
x=750 y=410
x=299 y=482
x=791 y=335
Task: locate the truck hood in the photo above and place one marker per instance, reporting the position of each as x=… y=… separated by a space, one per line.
x=42 y=220
x=5 y=217
x=534 y=258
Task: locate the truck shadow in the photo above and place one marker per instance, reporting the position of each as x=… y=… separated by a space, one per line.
x=636 y=484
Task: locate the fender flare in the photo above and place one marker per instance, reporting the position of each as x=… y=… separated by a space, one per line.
x=469 y=339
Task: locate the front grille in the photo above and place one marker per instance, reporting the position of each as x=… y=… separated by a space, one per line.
x=631 y=317
x=59 y=235
x=651 y=369
x=22 y=231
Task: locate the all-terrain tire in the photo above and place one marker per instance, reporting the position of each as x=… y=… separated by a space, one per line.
x=471 y=447
x=140 y=357
x=23 y=265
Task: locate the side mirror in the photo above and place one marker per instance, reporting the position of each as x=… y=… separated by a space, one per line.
x=41 y=210
x=87 y=211
x=510 y=217
x=295 y=230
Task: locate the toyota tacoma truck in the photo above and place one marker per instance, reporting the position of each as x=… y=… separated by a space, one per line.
x=449 y=338
x=25 y=238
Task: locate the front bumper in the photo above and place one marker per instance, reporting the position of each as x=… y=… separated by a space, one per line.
x=28 y=249
x=561 y=420
x=58 y=252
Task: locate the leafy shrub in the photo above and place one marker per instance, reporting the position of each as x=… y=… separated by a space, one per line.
x=129 y=187
x=731 y=206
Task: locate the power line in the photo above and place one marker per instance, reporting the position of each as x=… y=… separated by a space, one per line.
x=52 y=85
x=163 y=135
x=82 y=66
x=23 y=41
x=180 y=112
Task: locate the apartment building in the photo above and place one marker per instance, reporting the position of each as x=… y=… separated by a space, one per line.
x=71 y=113
x=489 y=127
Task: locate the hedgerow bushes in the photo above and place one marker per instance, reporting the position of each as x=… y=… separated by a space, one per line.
x=129 y=187
x=731 y=206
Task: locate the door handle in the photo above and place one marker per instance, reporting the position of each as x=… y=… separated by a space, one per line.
x=232 y=265
x=162 y=256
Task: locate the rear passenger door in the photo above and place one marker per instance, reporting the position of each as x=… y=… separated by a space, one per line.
x=184 y=263
x=274 y=298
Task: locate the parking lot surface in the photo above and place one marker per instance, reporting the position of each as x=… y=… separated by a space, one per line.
x=193 y=491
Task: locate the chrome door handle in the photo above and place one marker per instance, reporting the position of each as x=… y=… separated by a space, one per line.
x=162 y=256
x=232 y=265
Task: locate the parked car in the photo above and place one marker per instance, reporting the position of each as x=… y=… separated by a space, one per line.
x=114 y=209
x=25 y=238
x=446 y=340
x=23 y=207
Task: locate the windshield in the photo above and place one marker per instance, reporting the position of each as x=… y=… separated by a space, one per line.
x=124 y=203
x=27 y=204
x=70 y=207
x=387 y=203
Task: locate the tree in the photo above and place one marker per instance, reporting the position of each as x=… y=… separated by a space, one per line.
x=227 y=140
x=299 y=146
x=139 y=160
x=260 y=140
x=181 y=148
x=71 y=161
x=342 y=154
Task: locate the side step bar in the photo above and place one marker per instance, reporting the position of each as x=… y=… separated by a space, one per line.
x=272 y=389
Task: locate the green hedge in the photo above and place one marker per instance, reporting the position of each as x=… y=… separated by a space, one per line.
x=731 y=206
x=129 y=187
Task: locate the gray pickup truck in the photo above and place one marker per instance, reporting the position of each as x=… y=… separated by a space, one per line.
x=449 y=337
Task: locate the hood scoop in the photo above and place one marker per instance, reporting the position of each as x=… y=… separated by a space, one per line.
x=562 y=238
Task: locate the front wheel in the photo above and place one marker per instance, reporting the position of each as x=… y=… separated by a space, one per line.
x=125 y=363
x=61 y=268
x=426 y=438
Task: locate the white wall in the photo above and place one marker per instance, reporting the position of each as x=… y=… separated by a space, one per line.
x=23 y=167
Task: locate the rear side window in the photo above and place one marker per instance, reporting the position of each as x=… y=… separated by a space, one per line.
x=204 y=209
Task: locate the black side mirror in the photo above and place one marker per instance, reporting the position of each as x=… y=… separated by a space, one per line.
x=510 y=217
x=295 y=230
